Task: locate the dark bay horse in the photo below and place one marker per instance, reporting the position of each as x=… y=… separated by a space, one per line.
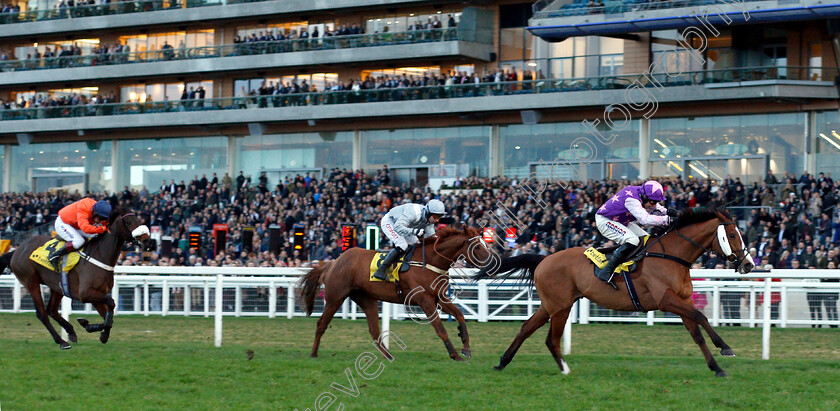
x=349 y=276
x=661 y=280
x=90 y=281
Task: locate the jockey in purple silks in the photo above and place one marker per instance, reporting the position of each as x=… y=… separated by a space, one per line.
x=619 y=219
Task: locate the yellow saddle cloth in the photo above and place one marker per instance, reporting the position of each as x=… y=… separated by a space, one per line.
x=377 y=261
x=600 y=259
x=41 y=253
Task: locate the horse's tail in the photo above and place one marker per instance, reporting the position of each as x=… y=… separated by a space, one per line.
x=511 y=266
x=5 y=261
x=309 y=284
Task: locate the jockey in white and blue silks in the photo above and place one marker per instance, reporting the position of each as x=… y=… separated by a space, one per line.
x=619 y=219
x=403 y=224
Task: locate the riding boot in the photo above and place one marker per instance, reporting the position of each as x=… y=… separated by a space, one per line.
x=618 y=257
x=55 y=255
x=390 y=258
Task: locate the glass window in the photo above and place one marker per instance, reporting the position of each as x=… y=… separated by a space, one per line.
x=148 y=162
x=669 y=57
x=828 y=143
x=408 y=71
x=73 y=167
x=402 y=22
x=522 y=146
x=162 y=92
x=777 y=137
x=429 y=147
x=611 y=45
x=293 y=152
x=86 y=46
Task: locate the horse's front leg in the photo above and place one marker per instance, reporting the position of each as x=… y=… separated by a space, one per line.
x=105 y=305
x=691 y=317
x=450 y=308
x=428 y=303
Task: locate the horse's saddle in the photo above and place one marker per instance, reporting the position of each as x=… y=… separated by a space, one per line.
x=599 y=257
x=41 y=253
x=400 y=266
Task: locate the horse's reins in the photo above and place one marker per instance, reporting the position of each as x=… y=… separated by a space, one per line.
x=89 y=257
x=663 y=255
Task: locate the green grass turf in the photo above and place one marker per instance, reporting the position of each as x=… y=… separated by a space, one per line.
x=171 y=363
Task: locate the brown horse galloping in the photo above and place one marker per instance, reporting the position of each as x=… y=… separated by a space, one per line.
x=90 y=281
x=349 y=276
x=661 y=280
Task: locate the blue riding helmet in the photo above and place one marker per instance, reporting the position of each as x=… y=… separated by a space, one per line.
x=102 y=209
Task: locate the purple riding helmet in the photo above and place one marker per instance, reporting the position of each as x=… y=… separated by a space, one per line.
x=652 y=190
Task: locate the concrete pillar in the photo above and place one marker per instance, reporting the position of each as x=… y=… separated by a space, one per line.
x=233 y=157
x=7 y=168
x=644 y=148
x=118 y=174
x=359 y=159
x=810 y=142
x=496 y=168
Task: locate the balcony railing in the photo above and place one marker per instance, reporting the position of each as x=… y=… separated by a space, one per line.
x=114 y=7
x=242 y=49
x=544 y=86
x=583 y=7
x=118 y=7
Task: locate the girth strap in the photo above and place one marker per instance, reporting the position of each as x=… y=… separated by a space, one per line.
x=631 y=289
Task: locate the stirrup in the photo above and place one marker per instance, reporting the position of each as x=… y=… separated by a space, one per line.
x=611 y=282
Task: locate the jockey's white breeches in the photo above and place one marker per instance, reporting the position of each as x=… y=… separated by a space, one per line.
x=71 y=234
x=618 y=232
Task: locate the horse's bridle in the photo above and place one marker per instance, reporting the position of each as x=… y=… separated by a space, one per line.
x=733 y=257
x=134 y=239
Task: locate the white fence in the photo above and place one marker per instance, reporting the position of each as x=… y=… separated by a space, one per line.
x=798 y=299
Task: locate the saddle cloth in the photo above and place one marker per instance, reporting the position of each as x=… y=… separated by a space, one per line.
x=401 y=266
x=41 y=253
x=599 y=257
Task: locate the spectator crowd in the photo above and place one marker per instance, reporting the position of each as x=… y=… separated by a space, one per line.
x=787 y=220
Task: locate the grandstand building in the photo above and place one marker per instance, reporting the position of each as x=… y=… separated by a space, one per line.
x=128 y=93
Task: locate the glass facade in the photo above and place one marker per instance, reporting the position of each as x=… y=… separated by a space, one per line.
x=522 y=147
x=149 y=162
x=827 y=132
x=745 y=146
x=738 y=145
x=282 y=155
x=67 y=166
x=457 y=146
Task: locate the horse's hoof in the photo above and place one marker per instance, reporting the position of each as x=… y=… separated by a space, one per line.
x=499 y=367
x=727 y=352
x=103 y=338
x=721 y=373
x=72 y=338
x=466 y=353
x=313 y=355
x=65 y=345
x=458 y=358
x=83 y=322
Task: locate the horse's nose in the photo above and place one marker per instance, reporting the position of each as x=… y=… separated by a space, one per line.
x=747 y=267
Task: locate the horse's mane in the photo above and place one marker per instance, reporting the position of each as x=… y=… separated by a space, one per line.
x=116 y=213
x=691 y=216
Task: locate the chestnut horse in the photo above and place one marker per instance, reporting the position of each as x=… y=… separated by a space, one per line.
x=661 y=281
x=90 y=281
x=349 y=276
